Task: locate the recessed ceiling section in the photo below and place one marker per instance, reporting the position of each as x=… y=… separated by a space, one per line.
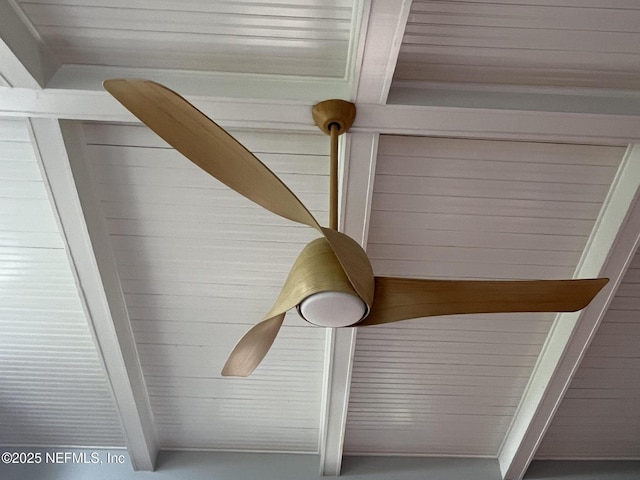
x=599 y=416
x=466 y=209
x=513 y=43
x=54 y=390
x=199 y=265
x=310 y=38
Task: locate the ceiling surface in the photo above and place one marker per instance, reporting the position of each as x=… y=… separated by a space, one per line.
x=494 y=140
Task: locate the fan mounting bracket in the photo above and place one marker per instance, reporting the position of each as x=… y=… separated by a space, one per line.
x=334 y=112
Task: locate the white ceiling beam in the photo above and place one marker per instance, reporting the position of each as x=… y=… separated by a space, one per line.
x=384 y=119
x=383 y=35
x=24 y=61
x=611 y=247
x=60 y=148
x=498 y=124
x=383 y=24
x=359 y=165
x=100 y=106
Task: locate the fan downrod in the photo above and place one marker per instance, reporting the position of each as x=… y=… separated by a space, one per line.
x=334 y=117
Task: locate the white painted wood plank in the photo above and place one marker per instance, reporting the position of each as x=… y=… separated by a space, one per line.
x=191 y=33
x=535 y=59
x=484 y=223
x=294 y=8
x=477 y=239
x=545 y=153
x=202 y=61
x=487 y=188
x=595 y=15
x=63 y=20
x=522 y=171
x=496 y=254
x=501 y=207
x=542 y=38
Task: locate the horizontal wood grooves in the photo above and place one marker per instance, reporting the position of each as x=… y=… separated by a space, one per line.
x=299 y=38
x=199 y=264
x=53 y=387
x=598 y=416
x=466 y=209
x=522 y=43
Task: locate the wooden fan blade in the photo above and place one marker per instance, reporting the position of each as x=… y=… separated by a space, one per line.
x=208 y=145
x=211 y=148
x=399 y=299
x=354 y=262
x=252 y=348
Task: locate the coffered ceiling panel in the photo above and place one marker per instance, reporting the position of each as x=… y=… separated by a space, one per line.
x=284 y=37
x=572 y=43
x=199 y=264
x=466 y=209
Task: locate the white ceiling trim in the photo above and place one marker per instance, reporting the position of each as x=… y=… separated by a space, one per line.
x=23 y=59
x=359 y=166
x=231 y=85
x=516 y=97
x=59 y=147
x=381 y=40
x=384 y=119
x=610 y=249
x=338 y=359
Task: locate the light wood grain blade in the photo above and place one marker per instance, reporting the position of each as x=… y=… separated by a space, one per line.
x=253 y=347
x=354 y=262
x=208 y=145
x=399 y=299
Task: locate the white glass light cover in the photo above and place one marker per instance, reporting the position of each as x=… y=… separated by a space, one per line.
x=332 y=309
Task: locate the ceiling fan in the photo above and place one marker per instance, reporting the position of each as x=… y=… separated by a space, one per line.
x=331 y=283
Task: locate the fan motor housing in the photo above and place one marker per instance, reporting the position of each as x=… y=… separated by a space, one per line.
x=329 y=299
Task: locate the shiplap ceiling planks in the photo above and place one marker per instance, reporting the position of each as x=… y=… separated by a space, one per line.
x=594 y=44
x=285 y=37
x=199 y=265
x=599 y=416
x=472 y=209
x=54 y=390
